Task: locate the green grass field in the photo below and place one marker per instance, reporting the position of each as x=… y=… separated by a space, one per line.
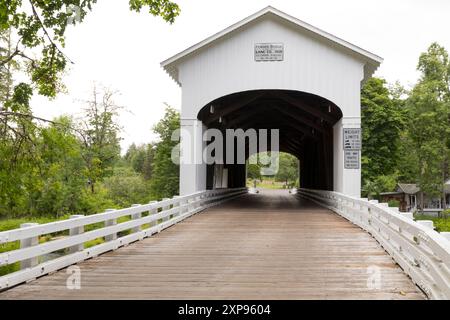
x=267 y=184
x=441 y=224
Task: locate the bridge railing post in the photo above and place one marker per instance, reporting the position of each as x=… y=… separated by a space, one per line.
x=183 y=209
x=202 y=199
x=177 y=205
x=191 y=204
x=136 y=216
x=76 y=231
x=26 y=243
x=165 y=208
x=110 y=223
x=153 y=211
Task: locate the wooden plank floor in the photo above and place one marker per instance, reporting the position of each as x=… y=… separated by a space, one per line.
x=266 y=246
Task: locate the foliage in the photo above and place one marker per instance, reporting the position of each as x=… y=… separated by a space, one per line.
x=429 y=107
x=382 y=183
x=288 y=169
x=141 y=159
x=394 y=203
x=165 y=181
x=253 y=171
x=127 y=187
x=99 y=131
x=441 y=224
x=41 y=26
x=383 y=119
x=57 y=188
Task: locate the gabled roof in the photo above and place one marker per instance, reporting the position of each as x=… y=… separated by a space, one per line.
x=408 y=188
x=372 y=60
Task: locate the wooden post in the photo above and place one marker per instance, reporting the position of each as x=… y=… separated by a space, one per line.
x=191 y=206
x=75 y=231
x=426 y=223
x=29 y=242
x=136 y=216
x=109 y=223
x=166 y=208
x=176 y=205
x=153 y=211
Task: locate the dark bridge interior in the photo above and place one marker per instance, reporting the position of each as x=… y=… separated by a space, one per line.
x=305 y=122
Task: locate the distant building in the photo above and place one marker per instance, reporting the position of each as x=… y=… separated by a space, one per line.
x=408 y=195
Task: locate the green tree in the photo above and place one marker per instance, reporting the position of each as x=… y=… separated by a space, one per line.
x=383 y=115
x=61 y=178
x=429 y=107
x=7 y=69
x=165 y=175
x=141 y=158
x=100 y=134
x=41 y=26
x=288 y=170
x=253 y=171
x=126 y=187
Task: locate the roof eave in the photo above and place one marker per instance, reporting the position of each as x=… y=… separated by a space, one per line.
x=365 y=55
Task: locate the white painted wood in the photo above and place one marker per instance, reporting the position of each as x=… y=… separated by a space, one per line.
x=27 y=243
x=136 y=216
x=153 y=211
x=314 y=62
x=408 y=215
x=76 y=231
x=177 y=205
x=426 y=223
x=423 y=253
x=31 y=249
x=109 y=223
x=165 y=208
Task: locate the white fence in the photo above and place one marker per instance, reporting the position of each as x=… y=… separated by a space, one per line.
x=421 y=252
x=146 y=220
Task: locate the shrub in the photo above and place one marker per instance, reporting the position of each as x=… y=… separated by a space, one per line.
x=394 y=203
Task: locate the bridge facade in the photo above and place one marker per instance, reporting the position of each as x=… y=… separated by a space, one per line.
x=272 y=70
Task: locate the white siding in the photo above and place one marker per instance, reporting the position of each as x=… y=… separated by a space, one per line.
x=309 y=65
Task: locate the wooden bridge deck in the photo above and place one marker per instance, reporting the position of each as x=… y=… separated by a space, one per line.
x=266 y=246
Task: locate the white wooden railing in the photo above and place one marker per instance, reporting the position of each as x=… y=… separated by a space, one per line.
x=146 y=220
x=421 y=252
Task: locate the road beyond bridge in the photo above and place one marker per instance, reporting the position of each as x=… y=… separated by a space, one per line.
x=271 y=245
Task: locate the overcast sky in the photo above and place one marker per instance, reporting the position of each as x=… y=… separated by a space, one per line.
x=122 y=50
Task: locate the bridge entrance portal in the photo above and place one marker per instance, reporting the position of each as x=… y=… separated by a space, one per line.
x=305 y=123
x=273 y=71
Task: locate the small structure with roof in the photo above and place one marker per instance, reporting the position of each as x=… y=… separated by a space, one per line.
x=410 y=200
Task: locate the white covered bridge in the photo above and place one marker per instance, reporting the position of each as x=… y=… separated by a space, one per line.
x=216 y=240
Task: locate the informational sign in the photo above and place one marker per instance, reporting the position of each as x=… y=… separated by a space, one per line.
x=269 y=52
x=351 y=159
x=352 y=139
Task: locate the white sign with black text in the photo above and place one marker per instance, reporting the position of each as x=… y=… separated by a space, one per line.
x=351 y=159
x=269 y=52
x=352 y=139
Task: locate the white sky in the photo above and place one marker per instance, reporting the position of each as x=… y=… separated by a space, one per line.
x=122 y=50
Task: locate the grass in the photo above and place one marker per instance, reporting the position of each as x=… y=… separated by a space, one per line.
x=14 y=223
x=441 y=224
x=267 y=184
